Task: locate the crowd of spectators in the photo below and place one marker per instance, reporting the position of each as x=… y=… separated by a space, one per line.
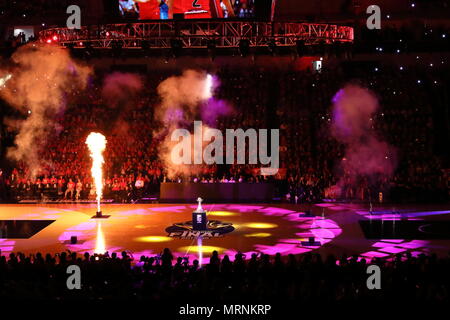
x=297 y=102
x=29 y=9
x=305 y=278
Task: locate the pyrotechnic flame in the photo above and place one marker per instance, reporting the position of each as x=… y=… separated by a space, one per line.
x=4 y=80
x=97 y=143
x=100 y=247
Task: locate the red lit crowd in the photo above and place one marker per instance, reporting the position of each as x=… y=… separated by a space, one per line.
x=296 y=102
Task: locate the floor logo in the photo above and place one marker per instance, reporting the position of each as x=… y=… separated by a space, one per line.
x=214 y=229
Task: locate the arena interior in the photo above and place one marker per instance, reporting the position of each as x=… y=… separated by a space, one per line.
x=214 y=153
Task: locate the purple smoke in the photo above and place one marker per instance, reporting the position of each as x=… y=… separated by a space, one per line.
x=212 y=110
x=366 y=156
x=119 y=88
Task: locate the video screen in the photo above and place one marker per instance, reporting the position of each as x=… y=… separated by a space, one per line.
x=190 y=9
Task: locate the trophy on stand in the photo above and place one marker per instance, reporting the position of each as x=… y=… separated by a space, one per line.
x=199 y=221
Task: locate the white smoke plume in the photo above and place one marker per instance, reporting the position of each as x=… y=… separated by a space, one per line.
x=183 y=98
x=42 y=79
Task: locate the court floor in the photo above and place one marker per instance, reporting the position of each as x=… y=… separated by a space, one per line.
x=146 y=229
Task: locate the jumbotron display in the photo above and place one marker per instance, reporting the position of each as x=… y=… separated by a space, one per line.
x=189 y=9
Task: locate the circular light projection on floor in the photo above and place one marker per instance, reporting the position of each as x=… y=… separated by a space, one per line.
x=258 y=235
x=266 y=229
x=260 y=225
x=153 y=239
x=222 y=213
x=202 y=249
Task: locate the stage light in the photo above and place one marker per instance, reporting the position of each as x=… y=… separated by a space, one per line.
x=153 y=239
x=222 y=213
x=258 y=235
x=260 y=225
x=55 y=38
x=202 y=249
x=244 y=47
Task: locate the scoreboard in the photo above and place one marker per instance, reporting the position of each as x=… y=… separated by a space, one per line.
x=131 y=10
x=191 y=9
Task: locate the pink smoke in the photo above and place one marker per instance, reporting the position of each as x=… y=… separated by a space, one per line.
x=366 y=155
x=213 y=109
x=119 y=88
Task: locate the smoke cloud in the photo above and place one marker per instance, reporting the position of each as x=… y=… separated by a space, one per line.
x=119 y=87
x=184 y=99
x=213 y=109
x=181 y=96
x=366 y=155
x=175 y=170
x=43 y=77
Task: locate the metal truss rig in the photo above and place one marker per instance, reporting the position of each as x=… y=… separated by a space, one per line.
x=199 y=34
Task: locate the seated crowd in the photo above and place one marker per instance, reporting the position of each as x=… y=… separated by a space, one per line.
x=305 y=278
x=297 y=102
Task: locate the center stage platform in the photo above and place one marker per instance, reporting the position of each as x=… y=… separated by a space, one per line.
x=146 y=229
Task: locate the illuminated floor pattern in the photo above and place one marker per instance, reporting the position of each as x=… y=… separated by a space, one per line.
x=140 y=230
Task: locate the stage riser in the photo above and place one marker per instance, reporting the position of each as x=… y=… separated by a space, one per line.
x=217 y=192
